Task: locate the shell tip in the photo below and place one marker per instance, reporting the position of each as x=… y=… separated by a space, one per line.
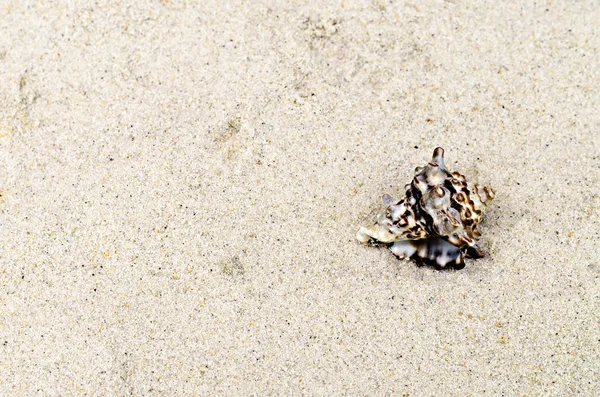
x=438 y=157
x=387 y=200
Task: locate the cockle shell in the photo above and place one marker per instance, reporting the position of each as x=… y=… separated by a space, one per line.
x=436 y=223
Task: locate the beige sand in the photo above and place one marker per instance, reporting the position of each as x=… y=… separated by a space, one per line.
x=182 y=183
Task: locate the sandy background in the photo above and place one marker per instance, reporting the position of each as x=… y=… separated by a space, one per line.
x=181 y=185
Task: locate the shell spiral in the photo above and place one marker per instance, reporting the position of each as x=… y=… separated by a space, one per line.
x=436 y=223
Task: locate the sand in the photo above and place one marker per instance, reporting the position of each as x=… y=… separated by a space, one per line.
x=181 y=185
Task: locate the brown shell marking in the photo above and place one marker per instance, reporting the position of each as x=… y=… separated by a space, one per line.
x=436 y=222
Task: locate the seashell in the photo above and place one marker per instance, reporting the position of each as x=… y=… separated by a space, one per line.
x=436 y=223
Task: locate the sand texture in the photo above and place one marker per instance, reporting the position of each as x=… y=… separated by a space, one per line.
x=181 y=184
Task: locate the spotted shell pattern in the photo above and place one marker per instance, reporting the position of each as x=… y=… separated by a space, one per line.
x=437 y=222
